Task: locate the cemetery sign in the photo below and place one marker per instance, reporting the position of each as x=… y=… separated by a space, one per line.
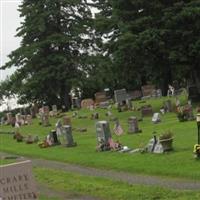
x=16 y=181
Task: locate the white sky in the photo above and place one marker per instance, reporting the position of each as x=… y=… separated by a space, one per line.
x=9 y=22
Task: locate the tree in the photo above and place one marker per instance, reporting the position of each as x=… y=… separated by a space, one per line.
x=153 y=42
x=55 y=40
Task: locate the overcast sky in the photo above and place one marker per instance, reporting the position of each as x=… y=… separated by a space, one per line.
x=9 y=22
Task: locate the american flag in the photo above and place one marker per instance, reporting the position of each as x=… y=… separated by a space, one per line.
x=118 y=129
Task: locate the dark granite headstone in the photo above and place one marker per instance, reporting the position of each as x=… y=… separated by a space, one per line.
x=120 y=96
x=146 y=111
x=55 y=137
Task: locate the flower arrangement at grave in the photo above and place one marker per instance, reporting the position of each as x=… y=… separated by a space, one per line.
x=184 y=113
x=196 y=150
x=166 y=140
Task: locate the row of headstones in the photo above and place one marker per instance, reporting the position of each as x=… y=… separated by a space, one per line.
x=121 y=97
x=18 y=120
x=105 y=142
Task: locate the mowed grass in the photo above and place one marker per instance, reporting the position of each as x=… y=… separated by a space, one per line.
x=78 y=185
x=179 y=163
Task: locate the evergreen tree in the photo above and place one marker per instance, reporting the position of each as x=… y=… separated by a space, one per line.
x=55 y=40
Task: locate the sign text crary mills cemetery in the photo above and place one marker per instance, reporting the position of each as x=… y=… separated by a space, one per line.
x=16 y=182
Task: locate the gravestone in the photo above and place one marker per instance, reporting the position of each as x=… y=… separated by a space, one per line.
x=45 y=119
x=103 y=131
x=9 y=118
x=29 y=119
x=136 y=94
x=16 y=182
x=104 y=105
x=168 y=106
x=45 y=116
x=86 y=103
x=59 y=128
x=133 y=125
x=55 y=110
x=18 y=118
x=129 y=104
x=100 y=97
x=76 y=102
x=120 y=96
x=146 y=111
x=67 y=131
x=34 y=110
x=45 y=109
x=55 y=138
x=117 y=128
x=156 y=118
x=67 y=121
x=147 y=90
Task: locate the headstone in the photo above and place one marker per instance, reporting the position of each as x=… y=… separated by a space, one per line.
x=17 y=182
x=2 y=121
x=33 y=111
x=67 y=131
x=129 y=104
x=133 y=125
x=86 y=103
x=45 y=119
x=136 y=94
x=9 y=118
x=146 y=111
x=50 y=140
x=29 y=119
x=76 y=102
x=158 y=148
x=100 y=97
x=45 y=116
x=147 y=90
x=18 y=118
x=29 y=139
x=158 y=93
x=103 y=131
x=156 y=118
x=55 y=138
x=59 y=128
x=45 y=109
x=168 y=106
x=67 y=121
x=117 y=128
x=55 y=110
x=104 y=104
x=120 y=96
x=152 y=143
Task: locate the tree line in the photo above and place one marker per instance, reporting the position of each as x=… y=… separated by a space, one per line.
x=100 y=44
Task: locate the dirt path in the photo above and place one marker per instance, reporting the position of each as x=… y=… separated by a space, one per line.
x=179 y=184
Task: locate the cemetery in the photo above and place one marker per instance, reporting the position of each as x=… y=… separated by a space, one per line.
x=100 y=100
x=144 y=135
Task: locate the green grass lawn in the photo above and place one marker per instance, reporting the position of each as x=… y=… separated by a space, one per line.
x=179 y=163
x=107 y=189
